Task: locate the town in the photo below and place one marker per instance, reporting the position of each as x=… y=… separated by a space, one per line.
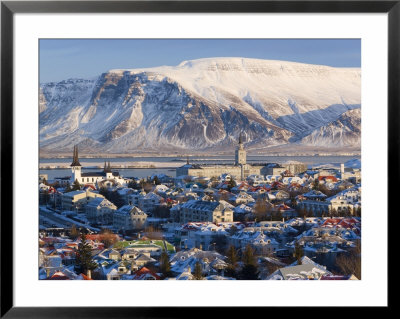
x=260 y=221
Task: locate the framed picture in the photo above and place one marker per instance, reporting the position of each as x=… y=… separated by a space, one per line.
x=149 y=143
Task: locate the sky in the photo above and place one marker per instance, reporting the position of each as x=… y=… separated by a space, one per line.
x=62 y=59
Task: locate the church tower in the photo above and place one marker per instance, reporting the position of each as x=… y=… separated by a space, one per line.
x=76 y=166
x=240 y=153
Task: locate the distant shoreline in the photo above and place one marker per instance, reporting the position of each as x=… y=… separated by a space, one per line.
x=183 y=157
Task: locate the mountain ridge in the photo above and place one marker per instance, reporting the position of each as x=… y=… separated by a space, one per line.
x=198 y=105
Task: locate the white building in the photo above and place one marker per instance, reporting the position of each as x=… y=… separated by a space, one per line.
x=77 y=200
x=100 y=211
x=129 y=217
x=104 y=178
x=205 y=211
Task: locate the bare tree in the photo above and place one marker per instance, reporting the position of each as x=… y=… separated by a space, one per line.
x=350 y=262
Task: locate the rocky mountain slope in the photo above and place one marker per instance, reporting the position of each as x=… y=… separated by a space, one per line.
x=203 y=105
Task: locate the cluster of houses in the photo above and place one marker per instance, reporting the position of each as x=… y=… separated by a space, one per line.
x=196 y=243
x=202 y=216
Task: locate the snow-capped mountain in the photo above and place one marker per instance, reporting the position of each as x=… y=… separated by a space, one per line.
x=203 y=105
x=346 y=130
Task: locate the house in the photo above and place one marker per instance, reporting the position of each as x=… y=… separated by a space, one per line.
x=243 y=198
x=117 y=272
x=286 y=211
x=203 y=211
x=129 y=217
x=184 y=261
x=141 y=260
x=298 y=272
x=100 y=211
x=145 y=274
x=149 y=202
x=52 y=264
x=77 y=200
x=255 y=237
x=114 y=255
x=281 y=195
x=124 y=193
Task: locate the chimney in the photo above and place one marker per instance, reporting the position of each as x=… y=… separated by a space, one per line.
x=89 y=274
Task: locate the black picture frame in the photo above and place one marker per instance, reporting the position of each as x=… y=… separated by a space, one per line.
x=9 y=8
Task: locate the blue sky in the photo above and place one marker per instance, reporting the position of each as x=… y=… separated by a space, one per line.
x=63 y=58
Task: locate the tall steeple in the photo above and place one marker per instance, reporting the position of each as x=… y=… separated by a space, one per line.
x=240 y=138
x=75 y=159
x=107 y=167
x=76 y=166
x=240 y=153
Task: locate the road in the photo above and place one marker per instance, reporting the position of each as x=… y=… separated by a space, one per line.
x=51 y=219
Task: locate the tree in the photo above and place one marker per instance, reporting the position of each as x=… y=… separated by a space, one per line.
x=165 y=265
x=249 y=272
x=232 y=257
x=45 y=197
x=116 y=199
x=108 y=238
x=133 y=184
x=349 y=263
x=68 y=188
x=74 y=232
x=231 y=184
x=76 y=186
x=260 y=209
x=220 y=242
x=104 y=191
x=298 y=253
x=248 y=256
x=161 y=211
x=301 y=211
x=316 y=184
x=198 y=272
x=84 y=260
x=156 y=180
x=233 y=230
x=153 y=233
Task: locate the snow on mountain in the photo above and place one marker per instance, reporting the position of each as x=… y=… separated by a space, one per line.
x=346 y=130
x=202 y=105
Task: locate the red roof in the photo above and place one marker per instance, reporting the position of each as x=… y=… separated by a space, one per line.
x=329 y=178
x=58 y=276
x=142 y=272
x=85 y=277
x=89 y=186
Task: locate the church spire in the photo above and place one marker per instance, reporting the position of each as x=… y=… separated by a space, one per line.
x=240 y=138
x=107 y=167
x=75 y=159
